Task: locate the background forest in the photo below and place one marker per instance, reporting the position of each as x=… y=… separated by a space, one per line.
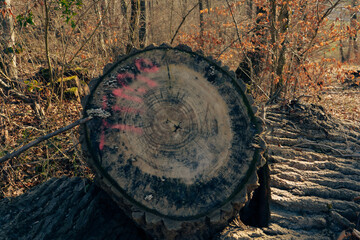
x=51 y=49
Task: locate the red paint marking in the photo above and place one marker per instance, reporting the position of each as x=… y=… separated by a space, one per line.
x=126 y=109
x=148 y=81
x=125 y=127
x=145 y=65
x=104 y=103
x=118 y=92
x=121 y=80
x=141 y=90
x=102 y=137
x=122 y=76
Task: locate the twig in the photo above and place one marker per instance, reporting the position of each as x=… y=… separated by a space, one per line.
x=182 y=22
x=325 y=15
x=226 y=48
x=88 y=39
x=43 y=138
x=235 y=23
x=77 y=23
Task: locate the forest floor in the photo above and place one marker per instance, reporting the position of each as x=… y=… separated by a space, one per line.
x=61 y=155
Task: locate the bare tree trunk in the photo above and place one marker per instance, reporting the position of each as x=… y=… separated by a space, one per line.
x=134 y=20
x=273 y=34
x=97 y=8
x=7 y=38
x=249 y=9
x=123 y=8
x=251 y=66
x=342 y=54
x=171 y=19
x=150 y=34
x=352 y=48
x=353 y=26
x=208 y=4
x=142 y=24
x=201 y=22
x=279 y=59
x=47 y=53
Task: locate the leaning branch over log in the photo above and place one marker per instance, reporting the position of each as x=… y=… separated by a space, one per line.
x=43 y=138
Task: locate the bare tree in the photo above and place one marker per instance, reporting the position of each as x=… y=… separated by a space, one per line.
x=142 y=24
x=201 y=9
x=353 y=47
x=134 y=21
x=7 y=39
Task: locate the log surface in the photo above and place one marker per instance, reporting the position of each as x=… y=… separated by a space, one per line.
x=315 y=175
x=314 y=165
x=178 y=141
x=65 y=208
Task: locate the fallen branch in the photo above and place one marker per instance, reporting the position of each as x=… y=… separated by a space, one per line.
x=43 y=138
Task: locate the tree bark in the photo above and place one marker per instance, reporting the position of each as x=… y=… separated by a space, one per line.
x=65 y=208
x=201 y=18
x=97 y=9
x=278 y=57
x=353 y=48
x=7 y=39
x=134 y=21
x=142 y=24
x=249 y=9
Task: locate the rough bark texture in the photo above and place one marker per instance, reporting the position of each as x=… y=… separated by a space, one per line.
x=7 y=39
x=315 y=175
x=66 y=208
x=314 y=164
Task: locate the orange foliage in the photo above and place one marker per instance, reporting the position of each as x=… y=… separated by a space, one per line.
x=308 y=39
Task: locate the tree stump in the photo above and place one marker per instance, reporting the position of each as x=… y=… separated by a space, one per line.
x=174 y=140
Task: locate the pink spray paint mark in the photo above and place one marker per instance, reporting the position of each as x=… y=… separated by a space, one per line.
x=141 y=90
x=122 y=76
x=145 y=65
x=121 y=80
x=118 y=92
x=104 y=102
x=102 y=136
x=126 y=109
x=125 y=127
x=148 y=81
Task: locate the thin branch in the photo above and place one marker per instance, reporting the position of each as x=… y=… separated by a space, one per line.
x=77 y=23
x=52 y=158
x=43 y=138
x=88 y=39
x=226 y=48
x=84 y=44
x=182 y=22
x=233 y=18
x=325 y=15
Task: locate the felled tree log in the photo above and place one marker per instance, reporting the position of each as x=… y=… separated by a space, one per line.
x=314 y=163
x=313 y=187
x=65 y=208
x=178 y=145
